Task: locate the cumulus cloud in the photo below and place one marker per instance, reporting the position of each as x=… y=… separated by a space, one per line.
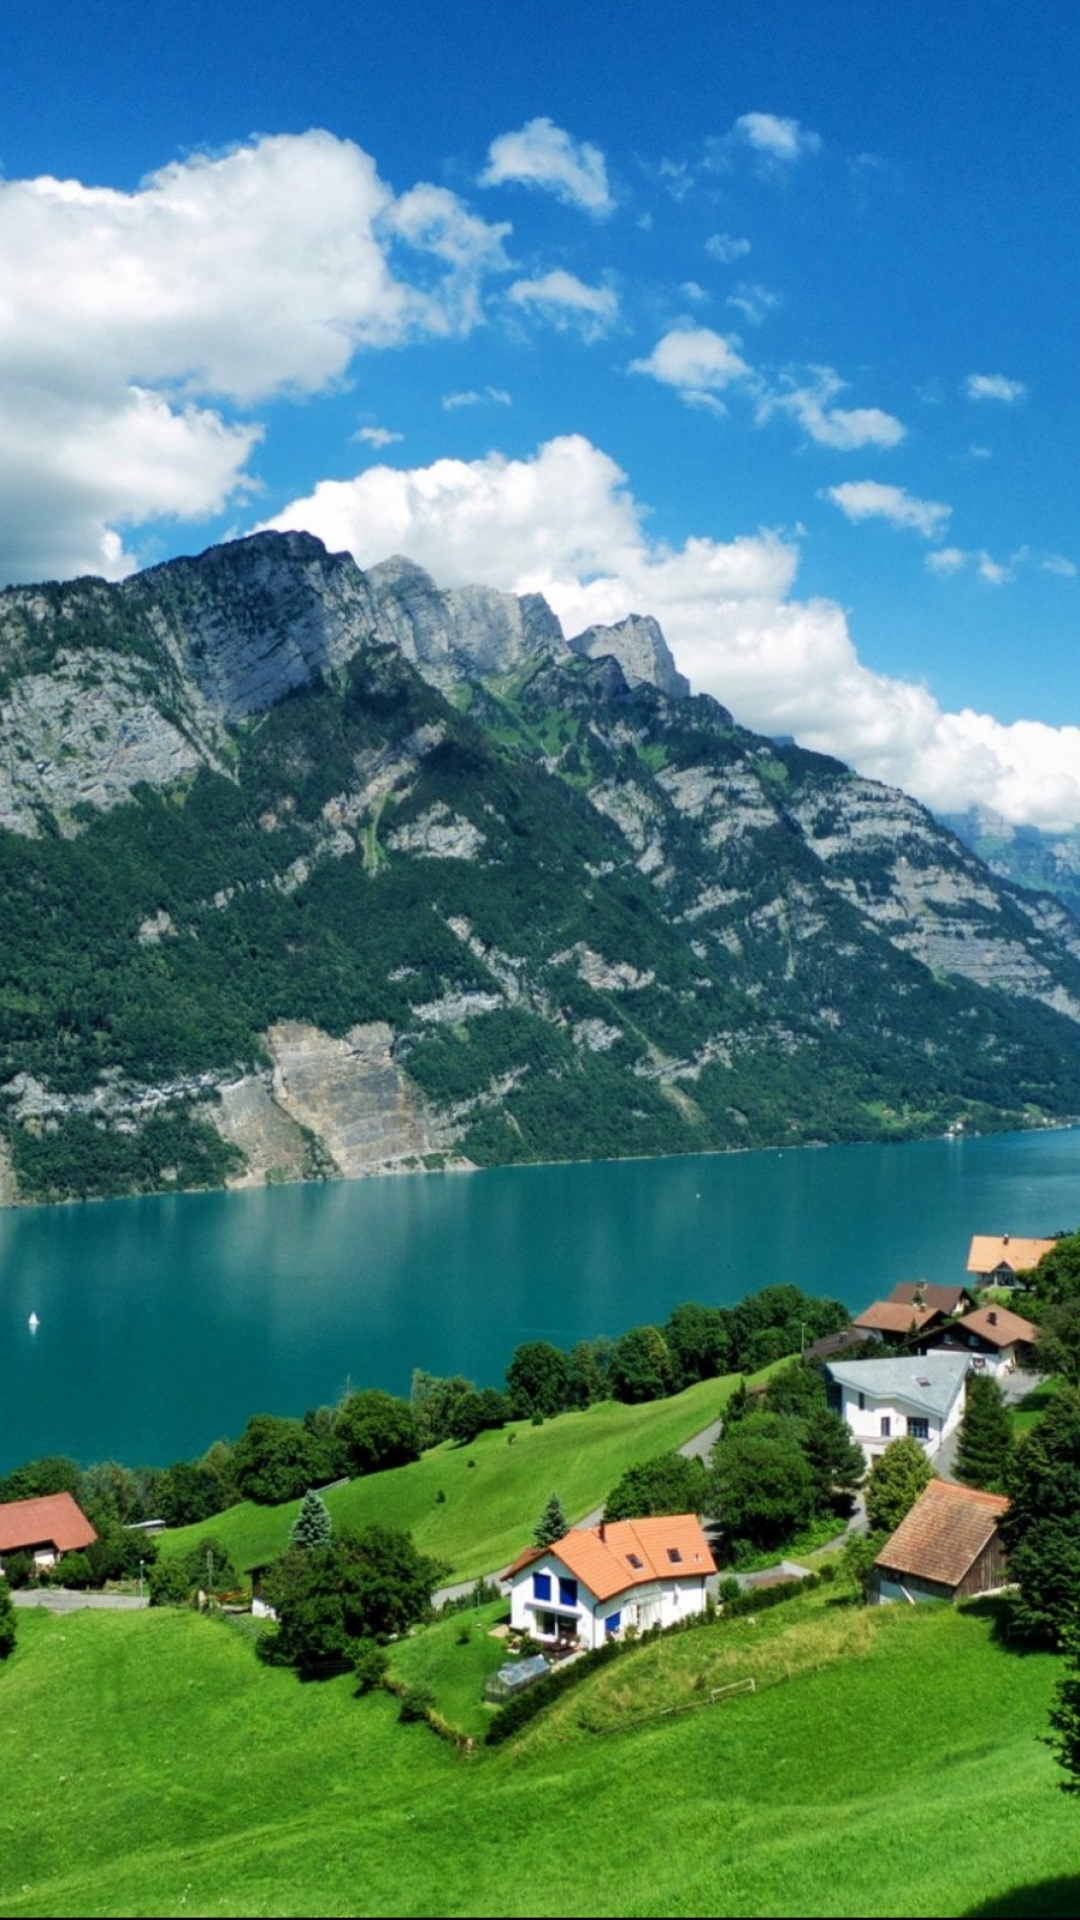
x=726 y=247
x=129 y=318
x=872 y=500
x=565 y=523
x=565 y=301
x=697 y=362
x=994 y=386
x=777 y=138
x=844 y=428
x=540 y=154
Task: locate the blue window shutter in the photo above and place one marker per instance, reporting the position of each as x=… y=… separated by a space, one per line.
x=568 y=1592
x=541 y=1586
x=613 y=1623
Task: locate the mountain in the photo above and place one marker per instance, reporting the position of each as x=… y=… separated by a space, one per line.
x=1048 y=862
x=310 y=871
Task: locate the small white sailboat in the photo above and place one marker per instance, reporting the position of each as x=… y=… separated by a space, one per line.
x=33 y=1323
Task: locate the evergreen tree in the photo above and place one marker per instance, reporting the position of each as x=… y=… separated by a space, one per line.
x=7 y=1621
x=552 y=1524
x=836 y=1461
x=985 y=1444
x=895 y=1483
x=1042 y=1527
x=313 y=1527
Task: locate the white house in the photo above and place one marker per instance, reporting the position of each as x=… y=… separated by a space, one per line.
x=882 y=1400
x=596 y=1582
x=997 y=1258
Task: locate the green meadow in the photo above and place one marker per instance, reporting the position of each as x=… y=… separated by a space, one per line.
x=494 y=1488
x=889 y=1763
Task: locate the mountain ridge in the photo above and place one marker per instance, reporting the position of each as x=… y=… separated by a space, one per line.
x=309 y=870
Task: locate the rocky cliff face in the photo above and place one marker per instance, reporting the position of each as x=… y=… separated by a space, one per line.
x=273 y=906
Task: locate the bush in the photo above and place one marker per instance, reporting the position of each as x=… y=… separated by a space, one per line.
x=370 y=1663
x=9 y=1625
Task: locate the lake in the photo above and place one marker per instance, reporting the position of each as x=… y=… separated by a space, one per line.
x=165 y=1322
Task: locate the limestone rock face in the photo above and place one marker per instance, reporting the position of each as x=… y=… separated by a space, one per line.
x=460 y=632
x=641 y=651
x=352 y=1096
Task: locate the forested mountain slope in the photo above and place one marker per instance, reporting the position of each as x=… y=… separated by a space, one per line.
x=307 y=871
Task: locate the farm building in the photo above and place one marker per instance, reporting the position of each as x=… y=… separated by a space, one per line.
x=46 y=1527
x=949 y=1547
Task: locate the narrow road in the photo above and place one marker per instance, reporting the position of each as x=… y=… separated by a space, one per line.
x=66 y=1600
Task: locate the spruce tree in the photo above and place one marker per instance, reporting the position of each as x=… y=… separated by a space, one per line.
x=985 y=1444
x=896 y=1480
x=551 y=1525
x=313 y=1527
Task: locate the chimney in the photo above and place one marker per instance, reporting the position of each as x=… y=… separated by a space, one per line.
x=1004 y=1239
x=600 y=1529
x=992 y=1316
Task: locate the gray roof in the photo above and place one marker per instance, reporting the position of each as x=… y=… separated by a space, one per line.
x=928 y=1380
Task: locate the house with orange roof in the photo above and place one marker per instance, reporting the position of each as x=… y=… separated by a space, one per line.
x=948 y=1547
x=47 y=1527
x=595 y=1582
x=997 y=1339
x=897 y=1323
x=996 y=1260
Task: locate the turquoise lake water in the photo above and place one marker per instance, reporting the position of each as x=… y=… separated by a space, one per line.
x=165 y=1322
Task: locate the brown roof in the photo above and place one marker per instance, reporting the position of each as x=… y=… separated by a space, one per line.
x=998 y=1326
x=888 y=1316
x=992 y=1250
x=928 y=1294
x=53 y=1519
x=665 y=1546
x=944 y=1533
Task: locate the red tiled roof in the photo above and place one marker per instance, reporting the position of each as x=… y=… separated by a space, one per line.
x=999 y=1327
x=889 y=1316
x=53 y=1519
x=946 y=1530
x=600 y=1557
x=992 y=1250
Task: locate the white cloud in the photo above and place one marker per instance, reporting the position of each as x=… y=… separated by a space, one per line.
x=377 y=436
x=844 y=428
x=775 y=137
x=994 y=386
x=871 y=500
x=565 y=301
x=947 y=560
x=541 y=154
x=996 y=573
x=697 y=362
x=692 y=290
x=130 y=317
x=753 y=301
x=726 y=247
x=1057 y=563
x=474 y=397
x=565 y=524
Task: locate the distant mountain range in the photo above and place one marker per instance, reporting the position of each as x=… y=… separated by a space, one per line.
x=1046 y=862
x=308 y=871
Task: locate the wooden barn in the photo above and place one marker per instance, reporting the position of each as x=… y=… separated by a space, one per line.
x=948 y=1548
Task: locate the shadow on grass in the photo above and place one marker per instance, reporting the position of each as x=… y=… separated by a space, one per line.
x=998 y=1608
x=1046 y=1901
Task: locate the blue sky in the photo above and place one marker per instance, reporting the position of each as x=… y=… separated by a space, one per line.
x=762 y=321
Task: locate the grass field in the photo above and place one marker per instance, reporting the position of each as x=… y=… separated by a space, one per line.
x=889 y=1764
x=495 y=1488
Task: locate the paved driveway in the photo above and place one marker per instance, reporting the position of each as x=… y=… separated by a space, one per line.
x=65 y=1600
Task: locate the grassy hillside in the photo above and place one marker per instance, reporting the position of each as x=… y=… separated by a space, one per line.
x=161 y=1770
x=495 y=1488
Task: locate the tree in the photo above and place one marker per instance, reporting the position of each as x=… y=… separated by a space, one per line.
x=52 y=1473
x=641 y=1366
x=374 y=1431
x=698 y=1340
x=8 y=1621
x=857 y=1559
x=1057 y=1276
x=433 y=1401
x=552 y=1524
x=796 y=1389
x=985 y=1443
x=836 y=1461
x=477 y=1413
x=589 y=1372
x=206 y=1567
x=1064 y=1735
x=367 y=1585
x=762 y=1492
x=669 y=1483
x=1057 y=1349
x=537 y=1380
x=1042 y=1527
x=313 y=1527
x=273 y=1460
x=896 y=1480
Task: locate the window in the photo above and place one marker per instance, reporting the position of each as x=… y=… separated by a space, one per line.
x=886 y=1426
x=567 y=1593
x=918 y=1429
x=862 y=1403
x=636 y=1561
x=613 y=1623
x=541 y=1586
x=674 y=1556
